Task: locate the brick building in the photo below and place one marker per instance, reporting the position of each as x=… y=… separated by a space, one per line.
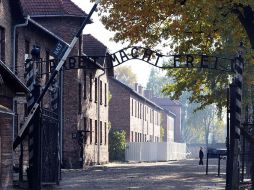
x=10 y=87
x=168 y=124
x=171 y=106
x=95 y=106
x=130 y=111
x=59 y=21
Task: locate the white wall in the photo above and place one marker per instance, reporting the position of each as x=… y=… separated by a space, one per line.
x=155 y=151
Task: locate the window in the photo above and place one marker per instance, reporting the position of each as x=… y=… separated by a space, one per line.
x=135 y=108
x=96 y=90
x=138 y=109
x=131 y=107
x=91 y=86
x=96 y=132
x=100 y=132
x=84 y=90
x=85 y=128
x=2 y=44
x=132 y=136
x=145 y=113
x=79 y=98
x=105 y=132
x=135 y=136
x=91 y=131
x=106 y=94
x=100 y=92
x=47 y=63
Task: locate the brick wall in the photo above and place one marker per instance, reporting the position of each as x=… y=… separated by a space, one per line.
x=119 y=108
x=6 y=23
x=146 y=126
x=6 y=145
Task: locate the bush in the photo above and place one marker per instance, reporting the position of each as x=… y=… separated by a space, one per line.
x=117 y=145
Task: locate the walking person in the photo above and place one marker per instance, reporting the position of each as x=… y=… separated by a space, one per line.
x=201 y=156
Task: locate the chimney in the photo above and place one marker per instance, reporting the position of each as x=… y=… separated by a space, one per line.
x=148 y=94
x=140 y=90
x=136 y=87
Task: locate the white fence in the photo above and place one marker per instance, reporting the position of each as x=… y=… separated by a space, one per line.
x=155 y=151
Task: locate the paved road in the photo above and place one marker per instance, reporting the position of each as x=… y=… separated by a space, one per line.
x=173 y=175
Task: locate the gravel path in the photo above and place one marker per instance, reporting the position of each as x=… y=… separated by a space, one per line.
x=175 y=175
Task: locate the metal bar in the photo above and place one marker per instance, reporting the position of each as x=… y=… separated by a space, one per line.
x=59 y=66
x=228 y=136
x=207 y=157
x=243 y=158
x=232 y=137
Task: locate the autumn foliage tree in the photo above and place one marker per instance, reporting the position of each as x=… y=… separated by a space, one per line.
x=187 y=26
x=214 y=27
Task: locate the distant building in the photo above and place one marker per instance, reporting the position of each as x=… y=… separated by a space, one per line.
x=172 y=106
x=130 y=111
x=168 y=124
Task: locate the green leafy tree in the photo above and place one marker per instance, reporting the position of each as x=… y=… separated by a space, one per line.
x=117 y=144
x=126 y=75
x=162 y=133
x=156 y=81
x=180 y=26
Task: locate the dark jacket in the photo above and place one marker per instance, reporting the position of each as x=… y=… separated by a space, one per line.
x=201 y=154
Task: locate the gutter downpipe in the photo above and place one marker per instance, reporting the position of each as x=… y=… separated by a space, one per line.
x=98 y=113
x=14 y=65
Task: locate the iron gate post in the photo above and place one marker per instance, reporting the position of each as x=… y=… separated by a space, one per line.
x=36 y=136
x=229 y=179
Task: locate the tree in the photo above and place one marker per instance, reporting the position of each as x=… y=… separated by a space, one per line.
x=126 y=75
x=180 y=25
x=156 y=81
x=117 y=145
x=186 y=26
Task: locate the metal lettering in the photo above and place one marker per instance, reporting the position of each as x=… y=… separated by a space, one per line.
x=147 y=54
x=134 y=54
x=158 y=57
x=176 y=60
x=123 y=55
x=189 y=60
x=204 y=60
x=114 y=58
x=81 y=62
x=72 y=62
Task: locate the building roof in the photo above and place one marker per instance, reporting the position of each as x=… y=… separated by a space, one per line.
x=11 y=80
x=93 y=47
x=51 y=8
x=166 y=101
x=135 y=93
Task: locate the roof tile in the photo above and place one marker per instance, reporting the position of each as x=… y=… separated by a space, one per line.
x=93 y=47
x=51 y=7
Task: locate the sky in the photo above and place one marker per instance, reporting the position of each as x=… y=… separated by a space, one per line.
x=97 y=29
